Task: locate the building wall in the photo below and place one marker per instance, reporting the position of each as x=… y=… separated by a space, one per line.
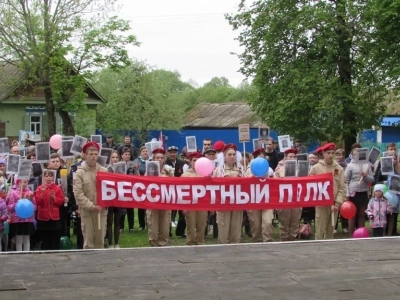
x=14 y=117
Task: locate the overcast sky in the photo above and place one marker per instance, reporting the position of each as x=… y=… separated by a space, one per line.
x=189 y=36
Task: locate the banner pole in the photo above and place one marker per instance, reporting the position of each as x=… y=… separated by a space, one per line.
x=244 y=157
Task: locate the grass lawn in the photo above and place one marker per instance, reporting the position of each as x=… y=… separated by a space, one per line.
x=139 y=238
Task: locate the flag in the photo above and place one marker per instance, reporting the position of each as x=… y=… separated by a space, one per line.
x=161 y=140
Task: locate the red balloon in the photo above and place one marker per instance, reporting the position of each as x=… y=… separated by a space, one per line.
x=348 y=210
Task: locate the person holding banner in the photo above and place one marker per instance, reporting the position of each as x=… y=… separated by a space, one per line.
x=196 y=221
x=158 y=221
x=325 y=216
x=289 y=219
x=229 y=222
x=262 y=229
x=93 y=216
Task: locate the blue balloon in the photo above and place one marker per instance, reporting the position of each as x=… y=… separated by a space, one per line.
x=259 y=167
x=392 y=198
x=24 y=208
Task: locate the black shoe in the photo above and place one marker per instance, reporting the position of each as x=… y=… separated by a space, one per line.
x=183 y=236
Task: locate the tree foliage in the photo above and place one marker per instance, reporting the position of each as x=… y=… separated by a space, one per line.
x=40 y=35
x=139 y=99
x=313 y=67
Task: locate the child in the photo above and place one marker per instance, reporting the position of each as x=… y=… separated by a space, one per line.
x=49 y=198
x=377 y=209
x=3 y=218
x=20 y=228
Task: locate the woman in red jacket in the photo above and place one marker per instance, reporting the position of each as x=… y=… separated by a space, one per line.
x=49 y=198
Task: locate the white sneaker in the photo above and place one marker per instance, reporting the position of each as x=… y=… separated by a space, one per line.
x=111 y=247
x=345 y=230
x=335 y=231
x=173 y=224
x=116 y=247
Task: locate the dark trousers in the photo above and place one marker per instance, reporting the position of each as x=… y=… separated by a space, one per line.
x=64 y=231
x=113 y=217
x=173 y=215
x=394 y=229
x=308 y=214
x=50 y=240
x=213 y=221
x=377 y=232
x=129 y=213
x=142 y=217
x=79 y=234
x=181 y=226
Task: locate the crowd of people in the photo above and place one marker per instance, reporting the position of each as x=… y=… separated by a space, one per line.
x=58 y=211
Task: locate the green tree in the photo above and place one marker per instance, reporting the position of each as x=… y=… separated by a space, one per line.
x=140 y=99
x=311 y=63
x=39 y=35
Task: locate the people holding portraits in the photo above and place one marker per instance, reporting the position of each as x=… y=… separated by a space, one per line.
x=289 y=218
x=158 y=221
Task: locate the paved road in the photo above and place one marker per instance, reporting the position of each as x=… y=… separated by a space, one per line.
x=341 y=269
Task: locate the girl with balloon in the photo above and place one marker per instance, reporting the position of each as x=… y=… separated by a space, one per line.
x=21 y=206
x=262 y=229
x=229 y=222
x=377 y=209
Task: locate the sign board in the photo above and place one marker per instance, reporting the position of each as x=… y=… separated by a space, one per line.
x=244 y=133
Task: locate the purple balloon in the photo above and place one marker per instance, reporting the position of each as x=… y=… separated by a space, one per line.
x=361 y=233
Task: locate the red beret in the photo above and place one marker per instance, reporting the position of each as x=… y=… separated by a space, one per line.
x=329 y=146
x=318 y=150
x=158 y=150
x=90 y=144
x=195 y=155
x=229 y=146
x=291 y=150
x=257 y=152
x=219 y=145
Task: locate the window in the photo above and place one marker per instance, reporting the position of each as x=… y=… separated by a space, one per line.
x=36 y=124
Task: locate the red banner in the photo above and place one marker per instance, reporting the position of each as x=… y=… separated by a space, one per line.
x=196 y=193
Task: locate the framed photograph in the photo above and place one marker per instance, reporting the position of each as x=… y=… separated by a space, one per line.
x=31 y=187
x=67 y=138
x=387 y=167
x=150 y=146
x=302 y=156
x=36 y=169
x=13 y=164
x=24 y=169
x=362 y=156
x=119 y=168
x=152 y=168
x=54 y=172
x=263 y=133
x=303 y=168
x=96 y=139
x=107 y=153
x=25 y=135
x=191 y=144
x=102 y=160
x=394 y=184
x=373 y=156
x=290 y=168
x=110 y=169
x=284 y=143
x=388 y=153
x=132 y=168
x=42 y=152
x=244 y=133
x=66 y=146
x=4 y=148
x=77 y=144
x=257 y=144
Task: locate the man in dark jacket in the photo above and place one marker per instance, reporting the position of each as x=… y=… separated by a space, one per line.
x=110 y=143
x=173 y=161
x=270 y=154
x=127 y=144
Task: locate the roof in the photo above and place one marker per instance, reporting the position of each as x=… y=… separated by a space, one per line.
x=219 y=115
x=12 y=77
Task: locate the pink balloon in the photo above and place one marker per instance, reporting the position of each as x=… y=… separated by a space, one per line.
x=204 y=166
x=361 y=233
x=55 y=141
